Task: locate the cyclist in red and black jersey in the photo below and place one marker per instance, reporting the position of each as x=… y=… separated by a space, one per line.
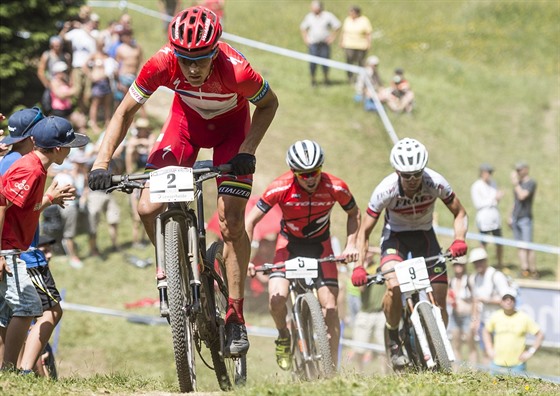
x=213 y=85
x=306 y=196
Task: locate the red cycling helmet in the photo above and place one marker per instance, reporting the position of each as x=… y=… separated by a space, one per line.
x=195 y=29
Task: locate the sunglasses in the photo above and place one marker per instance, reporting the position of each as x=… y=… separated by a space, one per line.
x=37 y=118
x=308 y=174
x=202 y=60
x=415 y=175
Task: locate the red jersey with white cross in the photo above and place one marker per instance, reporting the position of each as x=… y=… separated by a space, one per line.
x=231 y=83
x=23 y=184
x=306 y=215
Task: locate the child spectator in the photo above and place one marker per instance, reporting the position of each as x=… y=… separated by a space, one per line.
x=24 y=198
x=363 y=90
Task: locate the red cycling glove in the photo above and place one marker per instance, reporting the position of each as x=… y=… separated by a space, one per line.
x=359 y=276
x=458 y=248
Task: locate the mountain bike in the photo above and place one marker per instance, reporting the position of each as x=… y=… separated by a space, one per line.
x=423 y=330
x=310 y=347
x=192 y=280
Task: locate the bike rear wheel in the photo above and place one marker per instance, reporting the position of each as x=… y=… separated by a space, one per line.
x=316 y=341
x=435 y=340
x=179 y=276
x=230 y=371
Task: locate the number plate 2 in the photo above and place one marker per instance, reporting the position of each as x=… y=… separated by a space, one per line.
x=172 y=184
x=301 y=267
x=412 y=274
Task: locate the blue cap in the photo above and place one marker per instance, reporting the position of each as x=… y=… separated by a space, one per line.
x=56 y=131
x=20 y=123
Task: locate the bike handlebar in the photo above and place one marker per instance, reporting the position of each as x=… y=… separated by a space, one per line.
x=268 y=267
x=129 y=182
x=379 y=277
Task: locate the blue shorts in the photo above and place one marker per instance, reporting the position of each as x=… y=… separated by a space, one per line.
x=461 y=322
x=18 y=296
x=523 y=229
x=520 y=368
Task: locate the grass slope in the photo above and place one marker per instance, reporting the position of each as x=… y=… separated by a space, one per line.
x=486 y=78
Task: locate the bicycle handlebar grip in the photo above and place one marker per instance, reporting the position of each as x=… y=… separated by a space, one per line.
x=116 y=179
x=224 y=168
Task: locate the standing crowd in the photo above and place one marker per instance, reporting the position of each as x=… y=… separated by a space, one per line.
x=105 y=67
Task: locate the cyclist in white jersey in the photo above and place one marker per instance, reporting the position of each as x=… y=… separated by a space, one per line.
x=408 y=197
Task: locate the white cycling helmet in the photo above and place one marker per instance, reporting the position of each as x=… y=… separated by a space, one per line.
x=409 y=155
x=305 y=155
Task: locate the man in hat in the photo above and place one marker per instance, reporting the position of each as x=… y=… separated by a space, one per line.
x=521 y=220
x=486 y=196
x=23 y=199
x=504 y=337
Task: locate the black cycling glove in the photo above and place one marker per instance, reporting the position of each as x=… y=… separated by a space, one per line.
x=243 y=164
x=99 y=179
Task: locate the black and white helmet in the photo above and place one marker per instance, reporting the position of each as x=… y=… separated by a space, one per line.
x=409 y=155
x=305 y=155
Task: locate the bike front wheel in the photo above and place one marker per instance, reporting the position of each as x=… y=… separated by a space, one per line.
x=230 y=371
x=179 y=276
x=435 y=340
x=313 y=352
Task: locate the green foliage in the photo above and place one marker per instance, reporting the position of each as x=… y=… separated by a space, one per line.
x=25 y=30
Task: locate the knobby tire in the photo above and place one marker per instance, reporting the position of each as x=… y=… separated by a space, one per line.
x=180 y=299
x=316 y=338
x=230 y=372
x=435 y=340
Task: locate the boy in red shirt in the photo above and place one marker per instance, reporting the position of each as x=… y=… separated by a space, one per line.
x=24 y=198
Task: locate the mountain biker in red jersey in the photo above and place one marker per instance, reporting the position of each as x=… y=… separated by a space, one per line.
x=213 y=85
x=409 y=196
x=306 y=196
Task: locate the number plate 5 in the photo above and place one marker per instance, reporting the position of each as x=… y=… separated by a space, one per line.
x=412 y=274
x=172 y=184
x=302 y=267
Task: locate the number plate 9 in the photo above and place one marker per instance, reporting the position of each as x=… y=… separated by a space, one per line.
x=172 y=184
x=412 y=274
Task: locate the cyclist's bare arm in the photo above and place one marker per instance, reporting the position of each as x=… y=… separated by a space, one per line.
x=461 y=222
x=252 y=219
x=116 y=131
x=262 y=118
x=366 y=228
x=351 y=252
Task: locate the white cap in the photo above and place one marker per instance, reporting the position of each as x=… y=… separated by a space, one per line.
x=510 y=292
x=372 y=60
x=59 y=67
x=477 y=254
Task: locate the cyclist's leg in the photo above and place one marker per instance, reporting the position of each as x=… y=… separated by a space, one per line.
x=173 y=147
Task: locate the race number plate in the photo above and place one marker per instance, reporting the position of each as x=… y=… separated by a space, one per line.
x=302 y=267
x=412 y=274
x=172 y=184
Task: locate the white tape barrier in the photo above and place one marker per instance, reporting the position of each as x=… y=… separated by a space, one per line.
x=273 y=49
x=502 y=241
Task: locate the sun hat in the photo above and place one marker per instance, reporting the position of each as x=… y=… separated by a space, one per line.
x=510 y=292
x=59 y=67
x=56 y=131
x=477 y=254
x=20 y=123
x=372 y=60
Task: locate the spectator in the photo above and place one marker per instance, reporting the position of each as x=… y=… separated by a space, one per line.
x=504 y=337
x=138 y=147
x=129 y=58
x=355 y=38
x=486 y=196
x=369 y=326
x=319 y=29
x=54 y=54
x=460 y=300
x=487 y=285
x=363 y=91
x=521 y=221
x=23 y=200
x=83 y=46
x=102 y=71
x=399 y=97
